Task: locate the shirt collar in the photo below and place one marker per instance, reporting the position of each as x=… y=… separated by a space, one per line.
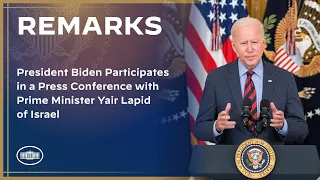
x=258 y=70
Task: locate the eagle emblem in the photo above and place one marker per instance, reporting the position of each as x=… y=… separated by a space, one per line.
x=54 y=51
x=171 y=50
x=306 y=60
x=255 y=157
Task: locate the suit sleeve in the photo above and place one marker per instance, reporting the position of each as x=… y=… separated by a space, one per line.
x=203 y=128
x=297 y=126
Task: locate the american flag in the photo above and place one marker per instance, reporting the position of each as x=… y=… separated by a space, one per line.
x=199 y=56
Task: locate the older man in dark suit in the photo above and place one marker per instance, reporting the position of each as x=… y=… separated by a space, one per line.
x=219 y=119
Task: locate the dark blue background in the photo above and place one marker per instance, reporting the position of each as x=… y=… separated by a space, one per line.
x=103 y=140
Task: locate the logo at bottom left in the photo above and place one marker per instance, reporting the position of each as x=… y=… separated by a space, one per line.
x=29 y=155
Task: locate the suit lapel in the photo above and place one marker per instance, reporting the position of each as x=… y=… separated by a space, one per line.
x=268 y=81
x=234 y=84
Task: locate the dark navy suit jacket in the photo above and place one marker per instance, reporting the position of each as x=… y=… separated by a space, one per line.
x=223 y=86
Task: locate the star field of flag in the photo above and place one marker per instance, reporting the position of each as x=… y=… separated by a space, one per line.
x=229 y=12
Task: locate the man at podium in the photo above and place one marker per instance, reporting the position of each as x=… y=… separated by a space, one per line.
x=235 y=103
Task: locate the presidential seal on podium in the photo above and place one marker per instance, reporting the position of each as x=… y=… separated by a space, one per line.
x=255 y=158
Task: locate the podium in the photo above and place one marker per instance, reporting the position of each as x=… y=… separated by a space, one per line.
x=292 y=162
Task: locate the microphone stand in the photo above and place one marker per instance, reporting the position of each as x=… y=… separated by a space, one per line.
x=254 y=124
x=259 y=127
x=255 y=131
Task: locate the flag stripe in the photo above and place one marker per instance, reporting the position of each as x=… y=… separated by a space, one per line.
x=289 y=64
x=194 y=84
x=281 y=60
x=205 y=34
x=193 y=104
x=197 y=45
x=284 y=62
x=296 y=69
x=279 y=57
x=228 y=52
x=292 y=67
x=195 y=65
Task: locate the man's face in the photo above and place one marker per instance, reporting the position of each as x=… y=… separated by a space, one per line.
x=249 y=44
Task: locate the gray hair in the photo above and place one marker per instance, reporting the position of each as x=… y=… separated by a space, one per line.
x=245 y=21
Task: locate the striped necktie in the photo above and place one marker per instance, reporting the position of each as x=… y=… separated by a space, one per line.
x=250 y=92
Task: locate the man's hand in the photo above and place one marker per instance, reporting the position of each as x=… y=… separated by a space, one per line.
x=278 y=117
x=223 y=122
